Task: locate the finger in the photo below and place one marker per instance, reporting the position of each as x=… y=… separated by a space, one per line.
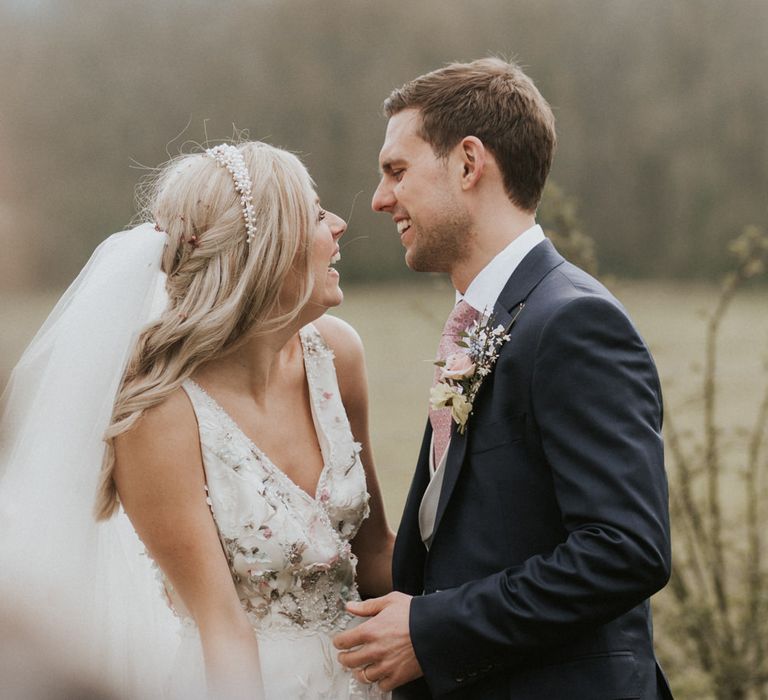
x=365 y=608
x=349 y=639
x=364 y=656
x=388 y=683
x=369 y=674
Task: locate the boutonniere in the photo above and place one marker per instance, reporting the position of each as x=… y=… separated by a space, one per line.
x=462 y=373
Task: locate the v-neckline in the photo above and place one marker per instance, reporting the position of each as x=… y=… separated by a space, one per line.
x=320 y=432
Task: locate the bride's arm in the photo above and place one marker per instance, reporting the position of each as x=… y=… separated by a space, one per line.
x=374 y=542
x=160 y=479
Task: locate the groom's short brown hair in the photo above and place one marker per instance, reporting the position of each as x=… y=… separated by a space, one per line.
x=495 y=101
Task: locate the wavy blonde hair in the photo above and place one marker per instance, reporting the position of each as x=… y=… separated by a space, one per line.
x=221 y=289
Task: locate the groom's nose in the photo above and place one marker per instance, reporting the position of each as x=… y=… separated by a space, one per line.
x=383 y=197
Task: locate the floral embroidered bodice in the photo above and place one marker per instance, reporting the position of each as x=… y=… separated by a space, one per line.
x=289 y=553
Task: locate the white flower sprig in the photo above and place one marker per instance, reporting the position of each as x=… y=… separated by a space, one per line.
x=462 y=373
x=229 y=157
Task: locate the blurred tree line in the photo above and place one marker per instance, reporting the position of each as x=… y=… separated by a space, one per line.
x=662 y=112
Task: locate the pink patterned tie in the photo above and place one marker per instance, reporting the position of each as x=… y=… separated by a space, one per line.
x=458 y=320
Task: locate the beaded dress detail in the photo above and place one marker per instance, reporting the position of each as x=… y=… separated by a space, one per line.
x=289 y=552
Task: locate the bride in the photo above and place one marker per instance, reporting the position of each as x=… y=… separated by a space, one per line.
x=230 y=409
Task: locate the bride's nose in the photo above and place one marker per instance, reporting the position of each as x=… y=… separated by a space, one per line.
x=338 y=226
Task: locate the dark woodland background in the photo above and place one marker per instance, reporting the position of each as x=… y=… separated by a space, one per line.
x=662 y=112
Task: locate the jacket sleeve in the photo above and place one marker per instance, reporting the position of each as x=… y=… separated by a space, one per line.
x=597 y=403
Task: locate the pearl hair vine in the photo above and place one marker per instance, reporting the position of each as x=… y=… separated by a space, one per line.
x=227 y=156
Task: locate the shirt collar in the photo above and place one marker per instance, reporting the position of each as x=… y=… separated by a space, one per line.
x=485 y=288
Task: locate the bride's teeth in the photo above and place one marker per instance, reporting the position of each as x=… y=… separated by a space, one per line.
x=403 y=224
x=335 y=258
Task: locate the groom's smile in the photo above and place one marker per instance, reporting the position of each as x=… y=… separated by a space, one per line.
x=403 y=226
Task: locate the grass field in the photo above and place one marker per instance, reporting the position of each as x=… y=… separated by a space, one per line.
x=400 y=324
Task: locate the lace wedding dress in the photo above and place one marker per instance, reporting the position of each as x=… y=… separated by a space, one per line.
x=289 y=552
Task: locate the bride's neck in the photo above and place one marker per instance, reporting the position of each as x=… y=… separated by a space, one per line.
x=254 y=364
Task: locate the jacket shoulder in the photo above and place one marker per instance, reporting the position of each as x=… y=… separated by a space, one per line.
x=567 y=284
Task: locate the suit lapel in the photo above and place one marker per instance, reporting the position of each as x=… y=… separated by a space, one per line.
x=533 y=268
x=410 y=553
x=457 y=448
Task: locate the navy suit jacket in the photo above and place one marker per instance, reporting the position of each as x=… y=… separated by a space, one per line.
x=552 y=527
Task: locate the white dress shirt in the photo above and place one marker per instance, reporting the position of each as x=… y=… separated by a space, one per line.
x=481 y=295
x=484 y=290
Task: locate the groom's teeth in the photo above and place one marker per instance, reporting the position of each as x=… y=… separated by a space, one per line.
x=402 y=225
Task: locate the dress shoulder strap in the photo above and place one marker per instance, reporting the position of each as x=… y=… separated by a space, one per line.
x=223 y=444
x=314 y=344
x=197 y=397
x=211 y=418
x=319 y=364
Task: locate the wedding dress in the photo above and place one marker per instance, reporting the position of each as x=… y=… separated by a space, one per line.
x=288 y=551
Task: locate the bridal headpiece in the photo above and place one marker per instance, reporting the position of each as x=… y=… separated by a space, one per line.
x=229 y=157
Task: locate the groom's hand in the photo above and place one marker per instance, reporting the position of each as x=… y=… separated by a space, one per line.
x=381 y=646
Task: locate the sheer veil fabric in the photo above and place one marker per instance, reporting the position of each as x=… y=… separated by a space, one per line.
x=62 y=567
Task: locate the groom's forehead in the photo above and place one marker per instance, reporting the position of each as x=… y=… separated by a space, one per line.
x=403 y=126
x=401 y=138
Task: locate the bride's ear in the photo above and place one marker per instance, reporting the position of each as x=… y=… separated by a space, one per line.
x=473 y=160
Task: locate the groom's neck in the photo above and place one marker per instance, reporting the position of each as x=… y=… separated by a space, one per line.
x=491 y=233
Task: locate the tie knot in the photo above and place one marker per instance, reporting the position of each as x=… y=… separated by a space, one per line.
x=459 y=319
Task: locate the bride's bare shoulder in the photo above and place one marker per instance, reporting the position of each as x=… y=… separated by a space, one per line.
x=160 y=480
x=349 y=360
x=343 y=339
x=165 y=435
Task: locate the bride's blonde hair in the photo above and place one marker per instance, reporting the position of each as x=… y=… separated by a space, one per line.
x=220 y=287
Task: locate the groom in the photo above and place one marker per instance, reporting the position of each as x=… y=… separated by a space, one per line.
x=536 y=530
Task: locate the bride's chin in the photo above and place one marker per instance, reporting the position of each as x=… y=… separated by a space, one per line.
x=318 y=305
x=338 y=298
x=335 y=295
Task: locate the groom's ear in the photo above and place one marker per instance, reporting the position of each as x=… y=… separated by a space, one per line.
x=473 y=160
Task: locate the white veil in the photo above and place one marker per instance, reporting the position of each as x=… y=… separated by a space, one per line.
x=58 y=563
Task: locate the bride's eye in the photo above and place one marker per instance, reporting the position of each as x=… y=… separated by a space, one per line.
x=321 y=215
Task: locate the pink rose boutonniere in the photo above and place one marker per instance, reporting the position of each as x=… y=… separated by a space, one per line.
x=459 y=365
x=462 y=373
